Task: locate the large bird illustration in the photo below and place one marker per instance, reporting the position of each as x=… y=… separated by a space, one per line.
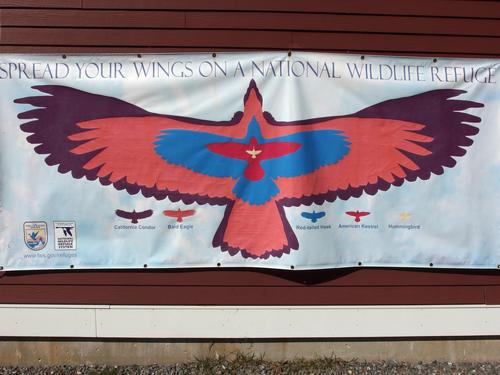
x=252 y=164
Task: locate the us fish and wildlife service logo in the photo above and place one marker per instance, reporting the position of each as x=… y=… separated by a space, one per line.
x=35 y=235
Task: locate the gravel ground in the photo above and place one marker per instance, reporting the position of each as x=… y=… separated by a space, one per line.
x=246 y=365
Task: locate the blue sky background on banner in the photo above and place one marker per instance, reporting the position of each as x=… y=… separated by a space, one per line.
x=457 y=212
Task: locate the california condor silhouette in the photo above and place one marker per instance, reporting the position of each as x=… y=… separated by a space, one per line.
x=134 y=216
x=252 y=164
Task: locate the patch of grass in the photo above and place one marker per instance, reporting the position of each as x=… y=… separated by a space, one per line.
x=241 y=363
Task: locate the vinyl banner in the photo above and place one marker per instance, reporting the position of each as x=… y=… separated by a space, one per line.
x=293 y=161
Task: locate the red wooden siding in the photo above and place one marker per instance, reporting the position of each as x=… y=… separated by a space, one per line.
x=430 y=28
x=326 y=287
x=466 y=28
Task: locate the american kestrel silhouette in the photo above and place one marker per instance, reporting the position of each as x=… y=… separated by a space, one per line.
x=252 y=164
x=357 y=215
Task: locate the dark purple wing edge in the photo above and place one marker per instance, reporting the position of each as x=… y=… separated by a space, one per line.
x=444 y=121
x=56 y=118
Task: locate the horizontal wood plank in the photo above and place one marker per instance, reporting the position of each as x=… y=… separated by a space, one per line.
x=440 y=8
x=40 y=3
x=247 y=20
x=188 y=295
x=5 y=48
x=91 y=18
x=68 y=50
x=449 y=8
x=389 y=43
x=212 y=39
x=343 y=23
x=127 y=37
x=249 y=277
x=492 y=294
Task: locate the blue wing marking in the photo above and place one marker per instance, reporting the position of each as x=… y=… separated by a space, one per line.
x=317 y=149
x=189 y=149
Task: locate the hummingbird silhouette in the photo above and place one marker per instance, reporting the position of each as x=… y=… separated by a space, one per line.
x=252 y=164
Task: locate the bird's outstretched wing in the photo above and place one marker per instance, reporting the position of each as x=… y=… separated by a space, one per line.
x=253 y=160
x=104 y=138
x=125 y=214
x=215 y=155
x=320 y=214
x=307 y=215
x=402 y=139
x=187 y=213
x=179 y=213
x=357 y=213
x=144 y=214
x=171 y=213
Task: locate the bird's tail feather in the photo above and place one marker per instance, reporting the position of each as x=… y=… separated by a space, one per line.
x=258 y=231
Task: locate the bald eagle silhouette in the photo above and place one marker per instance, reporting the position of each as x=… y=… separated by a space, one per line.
x=252 y=164
x=179 y=214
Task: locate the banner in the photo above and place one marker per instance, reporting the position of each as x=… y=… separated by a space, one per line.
x=294 y=161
